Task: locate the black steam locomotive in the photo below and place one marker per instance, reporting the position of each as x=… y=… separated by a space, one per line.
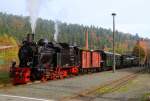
x=49 y=61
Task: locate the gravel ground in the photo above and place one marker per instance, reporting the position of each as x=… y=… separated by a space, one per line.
x=61 y=89
x=135 y=90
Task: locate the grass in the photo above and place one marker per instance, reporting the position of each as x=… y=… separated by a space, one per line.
x=109 y=88
x=126 y=87
x=146 y=97
x=104 y=90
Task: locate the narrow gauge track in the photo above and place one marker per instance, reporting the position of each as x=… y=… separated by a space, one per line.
x=69 y=77
x=104 y=88
x=39 y=81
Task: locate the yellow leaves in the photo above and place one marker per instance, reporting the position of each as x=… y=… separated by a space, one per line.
x=7 y=40
x=13 y=41
x=10 y=53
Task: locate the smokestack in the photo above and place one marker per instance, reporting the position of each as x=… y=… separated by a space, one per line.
x=30 y=37
x=86 y=39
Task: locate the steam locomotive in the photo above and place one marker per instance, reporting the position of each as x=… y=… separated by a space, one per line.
x=50 y=60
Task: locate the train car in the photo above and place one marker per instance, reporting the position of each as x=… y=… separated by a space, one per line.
x=135 y=61
x=96 y=59
x=129 y=61
x=85 y=59
x=107 y=58
x=125 y=61
x=90 y=61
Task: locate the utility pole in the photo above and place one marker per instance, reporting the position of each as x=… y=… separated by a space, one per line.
x=139 y=55
x=114 y=62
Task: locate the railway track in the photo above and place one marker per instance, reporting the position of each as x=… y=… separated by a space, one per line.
x=115 y=85
x=105 y=88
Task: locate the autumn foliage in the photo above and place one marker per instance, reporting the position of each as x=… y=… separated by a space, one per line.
x=141 y=50
x=7 y=54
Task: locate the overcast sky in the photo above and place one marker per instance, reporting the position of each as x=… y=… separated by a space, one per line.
x=133 y=16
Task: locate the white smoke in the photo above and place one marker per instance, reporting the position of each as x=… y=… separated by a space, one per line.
x=56 y=31
x=33 y=7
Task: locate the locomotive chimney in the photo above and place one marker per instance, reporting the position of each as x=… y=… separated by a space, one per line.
x=30 y=37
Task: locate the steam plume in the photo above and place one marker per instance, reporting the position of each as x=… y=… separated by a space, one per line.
x=56 y=31
x=33 y=7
